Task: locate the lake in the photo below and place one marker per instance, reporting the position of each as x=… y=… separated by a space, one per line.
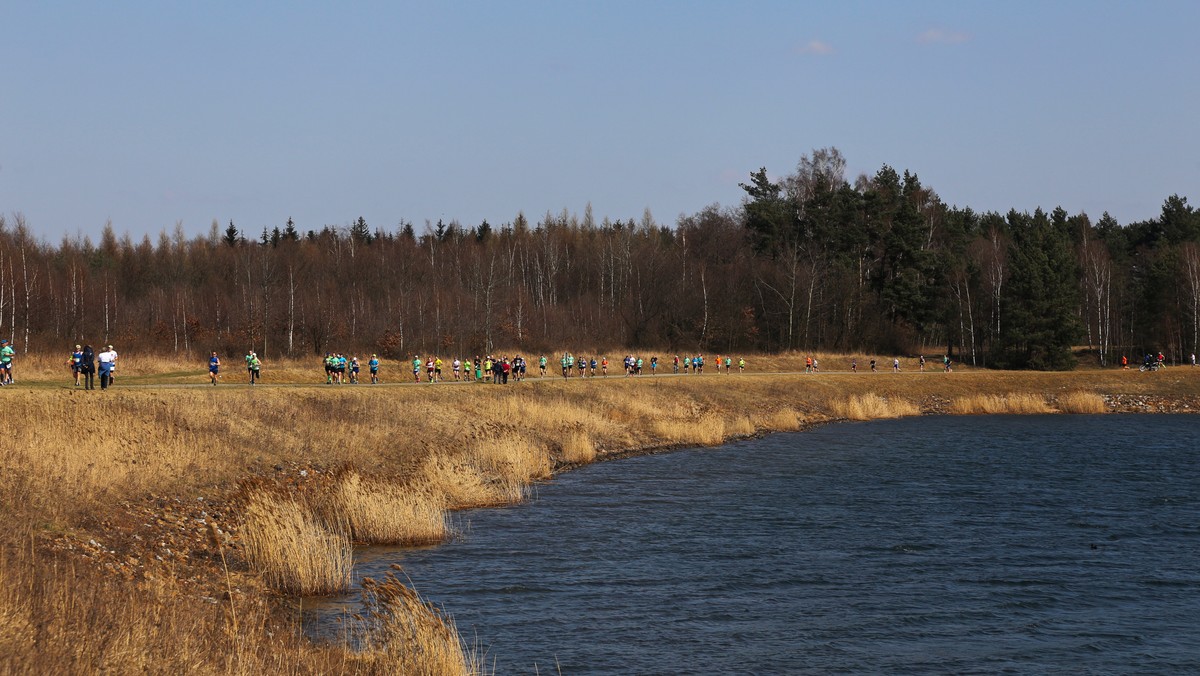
x=1030 y=544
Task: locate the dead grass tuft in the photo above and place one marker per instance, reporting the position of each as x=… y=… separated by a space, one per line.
x=739 y=426
x=292 y=549
x=708 y=430
x=993 y=404
x=403 y=634
x=379 y=513
x=871 y=406
x=578 y=448
x=1081 y=402
x=783 y=420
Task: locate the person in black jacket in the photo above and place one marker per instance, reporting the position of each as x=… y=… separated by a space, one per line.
x=87 y=366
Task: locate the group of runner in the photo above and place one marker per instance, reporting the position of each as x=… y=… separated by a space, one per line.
x=497 y=369
x=82 y=363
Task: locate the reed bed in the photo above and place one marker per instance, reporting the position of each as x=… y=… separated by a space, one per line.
x=462 y=485
x=375 y=512
x=1081 y=402
x=407 y=635
x=708 y=430
x=872 y=407
x=782 y=420
x=1017 y=403
x=293 y=550
x=578 y=449
x=739 y=426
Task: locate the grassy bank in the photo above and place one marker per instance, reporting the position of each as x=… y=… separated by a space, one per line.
x=155 y=525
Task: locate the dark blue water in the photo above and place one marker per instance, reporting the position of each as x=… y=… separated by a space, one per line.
x=1055 y=544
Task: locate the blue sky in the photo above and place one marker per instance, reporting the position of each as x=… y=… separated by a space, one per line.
x=148 y=114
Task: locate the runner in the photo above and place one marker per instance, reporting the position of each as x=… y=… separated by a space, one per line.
x=429 y=366
x=921 y=363
x=76 y=362
x=249 y=370
x=542 y=365
x=808 y=364
x=854 y=365
x=354 y=370
x=6 y=362
x=255 y=368
x=675 y=365
x=873 y=369
x=946 y=361
x=728 y=365
x=437 y=369
x=416 y=364
x=895 y=365
x=456 y=366
x=604 y=366
x=108 y=360
x=564 y=365
x=653 y=365
x=373 y=365
x=214 y=365
x=592 y=367
x=742 y=365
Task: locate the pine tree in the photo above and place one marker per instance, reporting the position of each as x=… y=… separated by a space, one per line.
x=231 y=234
x=1041 y=297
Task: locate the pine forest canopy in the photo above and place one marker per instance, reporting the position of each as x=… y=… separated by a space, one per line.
x=808 y=261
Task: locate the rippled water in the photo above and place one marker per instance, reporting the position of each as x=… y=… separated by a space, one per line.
x=951 y=544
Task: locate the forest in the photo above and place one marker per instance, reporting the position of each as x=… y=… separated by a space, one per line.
x=809 y=261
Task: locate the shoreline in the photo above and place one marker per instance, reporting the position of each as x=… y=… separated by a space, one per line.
x=154 y=531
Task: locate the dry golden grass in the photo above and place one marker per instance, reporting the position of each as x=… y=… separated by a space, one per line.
x=782 y=420
x=1081 y=402
x=379 y=513
x=992 y=404
x=294 y=552
x=708 y=430
x=410 y=636
x=578 y=449
x=74 y=461
x=871 y=406
x=739 y=426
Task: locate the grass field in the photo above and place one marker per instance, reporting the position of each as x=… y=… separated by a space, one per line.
x=159 y=525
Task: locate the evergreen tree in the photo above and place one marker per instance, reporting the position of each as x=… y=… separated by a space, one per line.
x=769 y=217
x=289 y=231
x=1041 y=298
x=359 y=232
x=483 y=231
x=231 y=234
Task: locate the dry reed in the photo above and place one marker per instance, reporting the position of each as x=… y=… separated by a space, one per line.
x=1081 y=402
x=872 y=407
x=783 y=420
x=403 y=634
x=379 y=513
x=1017 y=403
x=294 y=552
x=578 y=449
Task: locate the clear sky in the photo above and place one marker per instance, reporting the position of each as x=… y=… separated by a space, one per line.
x=153 y=113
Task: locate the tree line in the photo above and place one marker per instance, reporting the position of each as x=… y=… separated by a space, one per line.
x=808 y=261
